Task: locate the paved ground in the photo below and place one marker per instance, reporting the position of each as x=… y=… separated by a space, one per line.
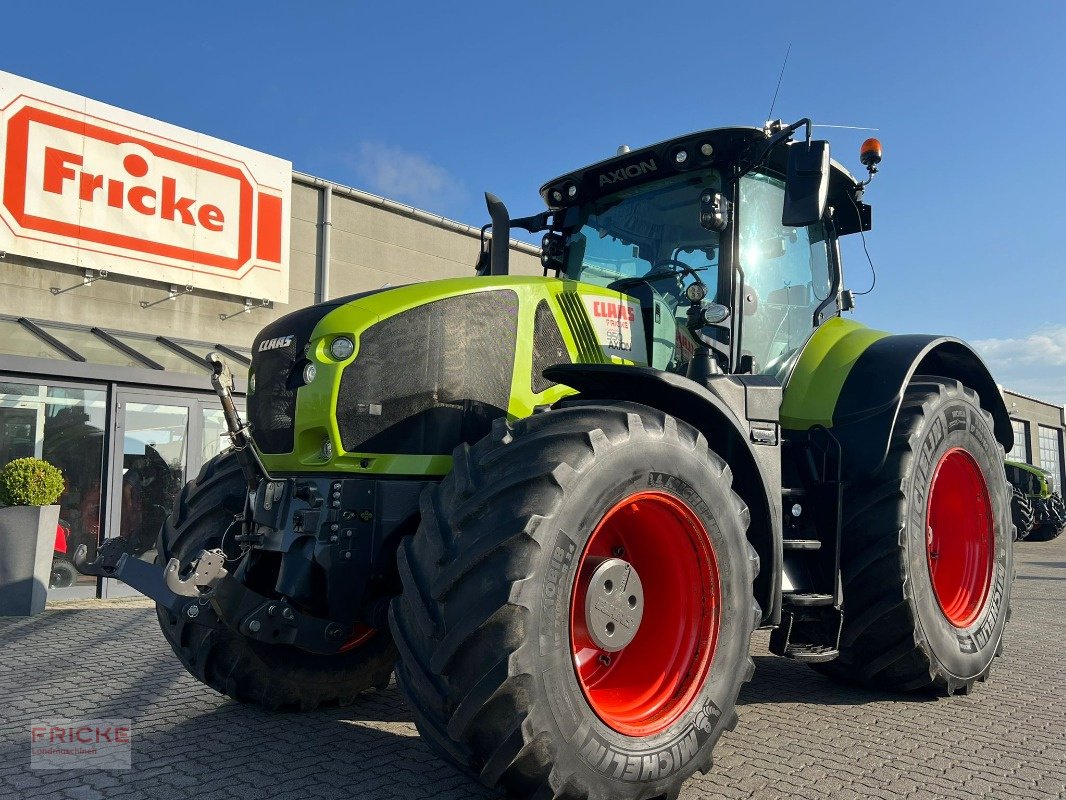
x=799 y=735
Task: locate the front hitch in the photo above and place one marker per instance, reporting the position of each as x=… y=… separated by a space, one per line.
x=166 y=587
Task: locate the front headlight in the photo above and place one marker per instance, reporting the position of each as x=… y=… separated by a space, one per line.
x=310 y=371
x=341 y=348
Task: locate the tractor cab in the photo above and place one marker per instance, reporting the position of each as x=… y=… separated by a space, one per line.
x=727 y=237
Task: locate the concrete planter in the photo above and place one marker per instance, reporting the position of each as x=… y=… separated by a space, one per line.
x=27 y=543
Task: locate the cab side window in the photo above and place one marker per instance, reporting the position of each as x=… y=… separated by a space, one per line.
x=786 y=273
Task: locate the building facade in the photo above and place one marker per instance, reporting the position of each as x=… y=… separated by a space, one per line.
x=103 y=335
x=1039 y=431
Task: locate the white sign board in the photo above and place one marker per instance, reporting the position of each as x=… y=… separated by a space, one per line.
x=618 y=327
x=93 y=186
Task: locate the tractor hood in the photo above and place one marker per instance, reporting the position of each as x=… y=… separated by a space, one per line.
x=431 y=366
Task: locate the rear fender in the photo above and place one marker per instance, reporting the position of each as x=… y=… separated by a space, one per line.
x=726 y=419
x=871 y=396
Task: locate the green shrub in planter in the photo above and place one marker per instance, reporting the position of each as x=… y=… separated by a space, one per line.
x=30 y=482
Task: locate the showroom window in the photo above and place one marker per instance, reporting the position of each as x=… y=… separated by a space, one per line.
x=65 y=426
x=1051 y=453
x=1021 y=441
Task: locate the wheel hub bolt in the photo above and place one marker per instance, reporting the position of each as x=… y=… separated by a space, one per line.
x=254 y=626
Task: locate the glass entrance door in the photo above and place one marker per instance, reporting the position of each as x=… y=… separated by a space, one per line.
x=161 y=441
x=152 y=451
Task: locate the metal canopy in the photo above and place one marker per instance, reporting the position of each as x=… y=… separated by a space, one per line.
x=57 y=349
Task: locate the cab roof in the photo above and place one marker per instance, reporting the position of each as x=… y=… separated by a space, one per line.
x=702 y=149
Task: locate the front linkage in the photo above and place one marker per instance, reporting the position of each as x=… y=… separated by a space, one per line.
x=207 y=585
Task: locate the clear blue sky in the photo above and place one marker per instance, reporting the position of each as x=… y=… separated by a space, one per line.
x=433 y=103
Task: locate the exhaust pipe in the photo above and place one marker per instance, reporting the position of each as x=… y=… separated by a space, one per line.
x=501 y=234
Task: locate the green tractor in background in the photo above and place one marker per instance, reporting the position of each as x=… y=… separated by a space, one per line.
x=559 y=506
x=1037 y=509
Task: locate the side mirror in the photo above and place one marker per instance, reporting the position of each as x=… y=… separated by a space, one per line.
x=806 y=184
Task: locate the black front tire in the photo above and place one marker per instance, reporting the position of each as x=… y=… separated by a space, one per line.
x=896 y=635
x=483 y=623
x=1022 y=514
x=273 y=676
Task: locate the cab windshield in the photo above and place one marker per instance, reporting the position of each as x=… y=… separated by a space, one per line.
x=646 y=231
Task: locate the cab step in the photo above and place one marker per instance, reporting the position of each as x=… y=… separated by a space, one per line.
x=807 y=599
x=802 y=544
x=811 y=653
x=811 y=635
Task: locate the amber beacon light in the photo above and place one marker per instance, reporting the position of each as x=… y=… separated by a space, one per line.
x=870 y=152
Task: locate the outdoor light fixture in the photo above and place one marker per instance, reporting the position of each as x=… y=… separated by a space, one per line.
x=341 y=348
x=681 y=156
x=310 y=371
x=696 y=292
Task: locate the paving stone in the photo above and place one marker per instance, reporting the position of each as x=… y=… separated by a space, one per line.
x=800 y=735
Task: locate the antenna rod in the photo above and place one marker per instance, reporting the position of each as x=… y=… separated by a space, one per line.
x=773 y=102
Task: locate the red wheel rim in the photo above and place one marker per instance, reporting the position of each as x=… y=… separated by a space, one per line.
x=959 y=537
x=360 y=635
x=644 y=688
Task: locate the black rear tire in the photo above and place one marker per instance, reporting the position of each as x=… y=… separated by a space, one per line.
x=483 y=623
x=896 y=634
x=273 y=676
x=1021 y=512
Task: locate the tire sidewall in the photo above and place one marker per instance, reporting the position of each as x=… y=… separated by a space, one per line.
x=956 y=421
x=596 y=750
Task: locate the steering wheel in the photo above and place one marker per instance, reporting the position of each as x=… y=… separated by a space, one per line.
x=656 y=272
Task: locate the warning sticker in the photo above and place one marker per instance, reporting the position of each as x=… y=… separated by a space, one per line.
x=618 y=327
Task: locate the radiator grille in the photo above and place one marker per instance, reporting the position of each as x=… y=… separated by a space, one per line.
x=548 y=347
x=431 y=377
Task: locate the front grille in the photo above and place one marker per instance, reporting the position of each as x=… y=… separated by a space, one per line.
x=272 y=406
x=431 y=377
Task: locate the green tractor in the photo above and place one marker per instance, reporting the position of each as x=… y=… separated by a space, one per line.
x=1038 y=511
x=559 y=506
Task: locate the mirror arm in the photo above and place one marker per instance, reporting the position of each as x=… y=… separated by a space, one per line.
x=781 y=136
x=534 y=224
